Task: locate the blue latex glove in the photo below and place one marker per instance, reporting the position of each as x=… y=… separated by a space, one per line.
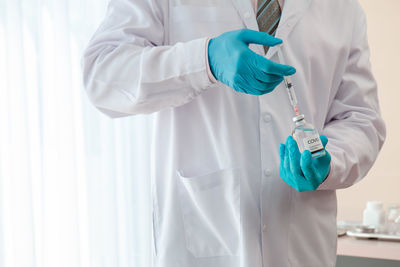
x=234 y=64
x=301 y=171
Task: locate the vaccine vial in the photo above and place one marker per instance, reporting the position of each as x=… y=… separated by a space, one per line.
x=307 y=137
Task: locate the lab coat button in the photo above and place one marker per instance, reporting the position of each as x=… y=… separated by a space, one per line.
x=267 y=118
x=247 y=15
x=264 y=228
x=267 y=172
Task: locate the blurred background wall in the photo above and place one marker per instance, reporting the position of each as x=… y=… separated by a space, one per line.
x=383 y=181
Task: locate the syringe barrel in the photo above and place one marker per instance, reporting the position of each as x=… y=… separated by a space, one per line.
x=290 y=89
x=288 y=82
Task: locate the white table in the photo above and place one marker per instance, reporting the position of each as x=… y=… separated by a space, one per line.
x=368 y=248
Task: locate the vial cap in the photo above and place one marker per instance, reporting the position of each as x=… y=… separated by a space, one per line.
x=298 y=118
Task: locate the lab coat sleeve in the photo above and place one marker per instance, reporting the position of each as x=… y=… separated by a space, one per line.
x=354 y=126
x=127 y=68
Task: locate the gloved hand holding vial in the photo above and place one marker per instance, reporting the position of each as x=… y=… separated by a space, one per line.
x=300 y=170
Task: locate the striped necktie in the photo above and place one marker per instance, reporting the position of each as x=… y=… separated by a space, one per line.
x=268 y=16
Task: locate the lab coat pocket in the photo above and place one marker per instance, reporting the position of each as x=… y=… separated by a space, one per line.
x=210 y=207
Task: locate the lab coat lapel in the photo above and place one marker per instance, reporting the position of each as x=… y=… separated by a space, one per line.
x=293 y=11
x=246 y=12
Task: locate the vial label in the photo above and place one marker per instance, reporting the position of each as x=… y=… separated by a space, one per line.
x=313 y=143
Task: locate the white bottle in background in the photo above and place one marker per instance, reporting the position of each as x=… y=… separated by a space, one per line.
x=374 y=215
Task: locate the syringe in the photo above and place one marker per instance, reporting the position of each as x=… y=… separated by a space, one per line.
x=291 y=93
x=289 y=85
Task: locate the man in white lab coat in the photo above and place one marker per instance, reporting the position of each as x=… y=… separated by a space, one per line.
x=219 y=199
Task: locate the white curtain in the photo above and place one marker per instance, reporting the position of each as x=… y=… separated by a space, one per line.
x=74 y=187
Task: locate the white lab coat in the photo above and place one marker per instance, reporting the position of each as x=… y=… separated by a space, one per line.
x=218 y=200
